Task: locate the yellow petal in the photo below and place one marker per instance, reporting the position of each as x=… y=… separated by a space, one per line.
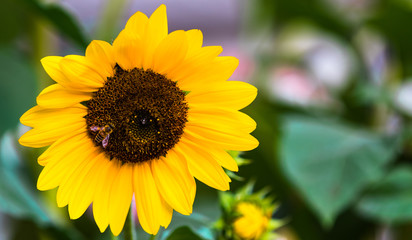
x=97 y=61
x=220 y=134
x=220 y=119
x=128 y=50
x=56 y=96
x=195 y=64
x=175 y=44
x=47 y=134
x=51 y=65
x=83 y=192
x=174 y=182
x=67 y=155
x=137 y=24
x=228 y=141
x=157 y=30
x=218 y=70
x=195 y=40
x=79 y=69
x=51 y=124
x=202 y=165
x=166 y=213
x=223 y=158
x=102 y=195
x=56 y=148
x=100 y=53
x=38 y=116
x=121 y=196
x=151 y=208
x=231 y=94
x=74 y=176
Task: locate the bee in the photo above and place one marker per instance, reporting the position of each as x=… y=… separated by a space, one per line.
x=103 y=134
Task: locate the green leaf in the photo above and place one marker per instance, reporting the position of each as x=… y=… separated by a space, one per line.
x=390 y=201
x=282 y=12
x=198 y=223
x=60 y=18
x=11 y=13
x=226 y=201
x=16 y=197
x=234 y=176
x=184 y=233
x=331 y=163
x=16 y=87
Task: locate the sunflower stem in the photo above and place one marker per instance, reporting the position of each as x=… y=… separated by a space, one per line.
x=113 y=237
x=152 y=237
x=42 y=45
x=110 y=18
x=129 y=227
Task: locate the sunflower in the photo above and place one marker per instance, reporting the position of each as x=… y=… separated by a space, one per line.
x=143 y=116
x=252 y=222
x=247 y=215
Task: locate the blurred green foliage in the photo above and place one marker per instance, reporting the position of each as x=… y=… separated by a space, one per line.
x=61 y=20
x=20 y=15
x=183 y=233
x=331 y=163
x=19 y=43
x=17 y=198
x=390 y=200
x=16 y=87
x=340 y=173
x=25 y=209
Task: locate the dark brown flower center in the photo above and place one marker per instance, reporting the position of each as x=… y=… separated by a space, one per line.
x=138 y=115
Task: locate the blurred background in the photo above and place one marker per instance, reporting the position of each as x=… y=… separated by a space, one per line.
x=333 y=112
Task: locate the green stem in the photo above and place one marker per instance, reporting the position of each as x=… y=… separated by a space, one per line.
x=109 y=21
x=41 y=46
x=152 y=237
x=129 y=227
x=113 y=237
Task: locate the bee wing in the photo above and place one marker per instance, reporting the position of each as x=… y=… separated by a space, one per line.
x=105 y=141
x=95 y=128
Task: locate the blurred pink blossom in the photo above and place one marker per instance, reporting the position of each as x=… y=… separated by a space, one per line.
x=295 y=86
x=247 y=65
x=328 y=61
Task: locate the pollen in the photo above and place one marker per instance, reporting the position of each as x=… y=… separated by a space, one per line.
x=147 y=110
